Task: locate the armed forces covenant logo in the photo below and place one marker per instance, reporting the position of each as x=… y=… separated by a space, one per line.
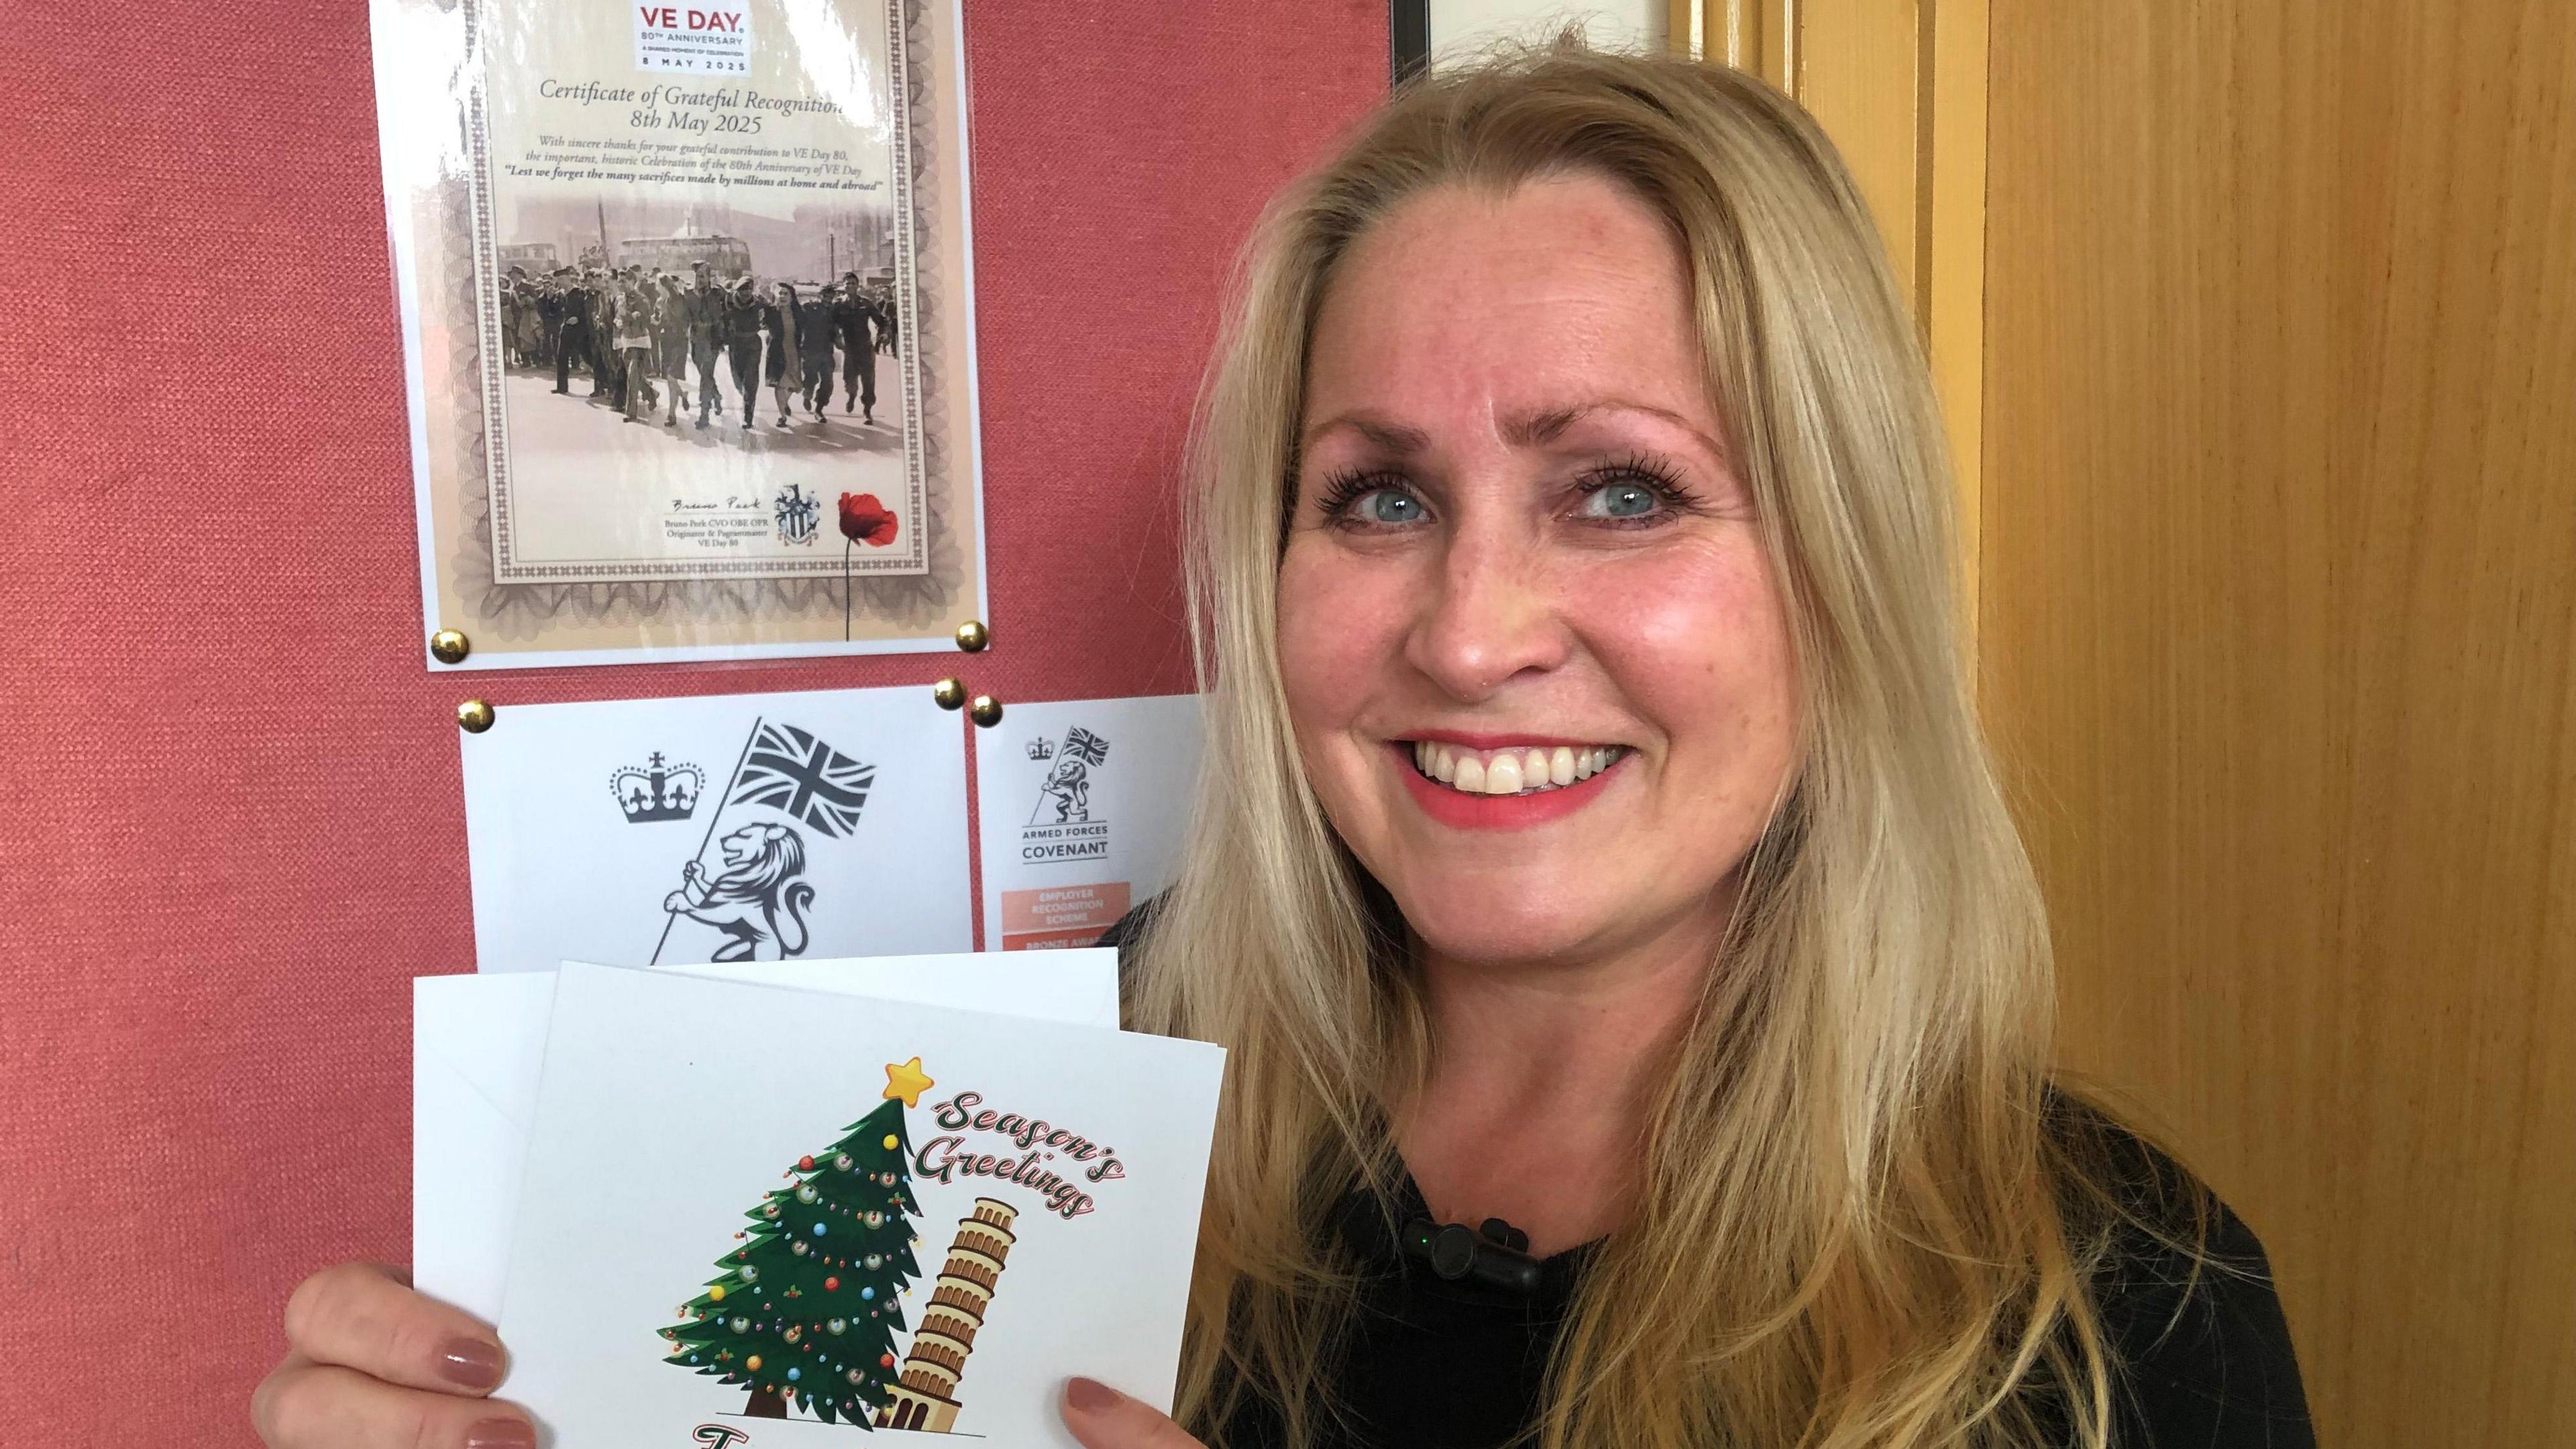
x=1063 y=826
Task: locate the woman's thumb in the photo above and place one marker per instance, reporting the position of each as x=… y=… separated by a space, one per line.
x=1103 y=1418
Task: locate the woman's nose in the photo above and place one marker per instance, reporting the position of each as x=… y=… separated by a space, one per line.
x=1490 y=618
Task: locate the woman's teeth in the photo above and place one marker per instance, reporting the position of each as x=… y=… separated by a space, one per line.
x=1511 y=772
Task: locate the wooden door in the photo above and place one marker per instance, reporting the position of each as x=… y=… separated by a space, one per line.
x=1901 y=87
x=2278 y=636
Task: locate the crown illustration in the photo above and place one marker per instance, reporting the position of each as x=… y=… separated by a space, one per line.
x=659 y=791
x=1039 y=749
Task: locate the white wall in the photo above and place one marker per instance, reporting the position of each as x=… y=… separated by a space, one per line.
x=1465 y=25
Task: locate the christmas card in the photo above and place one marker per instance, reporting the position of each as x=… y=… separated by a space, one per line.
x=742 y=827
x=1083 y=804
x=754 y=1216
x=478 y=1042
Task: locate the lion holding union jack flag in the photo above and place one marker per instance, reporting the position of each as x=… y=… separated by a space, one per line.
x=757 y=900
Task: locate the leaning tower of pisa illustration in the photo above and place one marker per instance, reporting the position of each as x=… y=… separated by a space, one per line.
x=925 y=1395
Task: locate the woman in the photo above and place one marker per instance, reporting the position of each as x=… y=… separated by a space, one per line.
x=636 y=319
x=741 y=317
x=779 y=319
x=671 y=346
x=1598 y=839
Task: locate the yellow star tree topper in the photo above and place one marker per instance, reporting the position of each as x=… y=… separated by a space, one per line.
x=907 y=1082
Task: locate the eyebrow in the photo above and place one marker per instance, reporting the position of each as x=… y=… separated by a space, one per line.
x=1521 y=430
x=1393 y=437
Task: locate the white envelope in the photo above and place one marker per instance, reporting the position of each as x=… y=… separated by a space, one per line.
x=478 y=1046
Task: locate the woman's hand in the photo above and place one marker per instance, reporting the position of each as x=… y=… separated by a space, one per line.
x=1103 y=1418
x=372 y=1365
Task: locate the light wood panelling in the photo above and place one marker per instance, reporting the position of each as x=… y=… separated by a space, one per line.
x=1953 y=208
x=1900 y=85
x=1860 y=69
x=2279 y=641
x=1746 y=34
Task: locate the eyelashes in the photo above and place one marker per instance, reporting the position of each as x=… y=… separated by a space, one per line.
x=1644 y=470
x=1340 y=488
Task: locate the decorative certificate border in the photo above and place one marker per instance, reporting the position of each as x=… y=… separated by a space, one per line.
x=447 y=269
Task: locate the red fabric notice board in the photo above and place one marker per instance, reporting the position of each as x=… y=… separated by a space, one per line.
x=230 y=807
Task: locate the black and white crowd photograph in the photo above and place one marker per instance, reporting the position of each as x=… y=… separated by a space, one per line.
x=687 y=325
x=703 y=352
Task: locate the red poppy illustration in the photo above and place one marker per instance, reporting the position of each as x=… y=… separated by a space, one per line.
x=865 y=520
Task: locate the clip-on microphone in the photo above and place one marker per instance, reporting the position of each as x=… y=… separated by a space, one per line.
x=1496 y=1255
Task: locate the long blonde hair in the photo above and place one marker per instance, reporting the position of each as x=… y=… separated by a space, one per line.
x=1851 y=1229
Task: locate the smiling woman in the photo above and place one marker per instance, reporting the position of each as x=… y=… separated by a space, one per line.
x=1502 y=547
x=1598 y=836
x=1596 y=840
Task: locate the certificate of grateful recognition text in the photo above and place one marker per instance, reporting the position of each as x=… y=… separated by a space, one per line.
x=686 y=304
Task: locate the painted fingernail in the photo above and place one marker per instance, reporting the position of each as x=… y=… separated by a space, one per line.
x=502 y=1434
x=1089 y=1395
x=471 y=1363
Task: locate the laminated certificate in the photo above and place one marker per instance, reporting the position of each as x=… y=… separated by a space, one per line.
x=685 y=294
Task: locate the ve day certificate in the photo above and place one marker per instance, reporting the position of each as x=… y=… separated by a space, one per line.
x=762 y=1217
x=686 y=309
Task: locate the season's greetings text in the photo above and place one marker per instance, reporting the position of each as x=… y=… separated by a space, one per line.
x=949 y=1158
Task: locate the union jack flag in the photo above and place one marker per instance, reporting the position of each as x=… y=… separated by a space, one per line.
x=790 y=771
x=1090 y=747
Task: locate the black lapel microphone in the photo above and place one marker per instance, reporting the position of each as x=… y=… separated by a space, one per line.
x=1495 y=1254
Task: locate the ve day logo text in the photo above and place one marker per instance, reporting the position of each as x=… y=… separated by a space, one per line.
x=705 y=39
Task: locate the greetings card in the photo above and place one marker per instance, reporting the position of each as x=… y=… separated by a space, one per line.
x=745 y=827
x=478 y=1042
x=1083 y=804
x=758 y=1216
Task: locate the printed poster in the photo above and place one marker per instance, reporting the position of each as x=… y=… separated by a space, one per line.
x=1082 y=807
x=723 y=828
x=754 y=1217
x=687 y=318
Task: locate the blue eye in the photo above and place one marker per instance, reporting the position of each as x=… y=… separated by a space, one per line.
x=1387 y=505
x=1621 y=500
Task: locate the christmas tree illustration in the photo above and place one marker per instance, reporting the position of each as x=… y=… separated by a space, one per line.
x=805 y=1311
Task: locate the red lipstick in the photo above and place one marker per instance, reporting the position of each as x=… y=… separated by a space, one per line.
x=1462 y=811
